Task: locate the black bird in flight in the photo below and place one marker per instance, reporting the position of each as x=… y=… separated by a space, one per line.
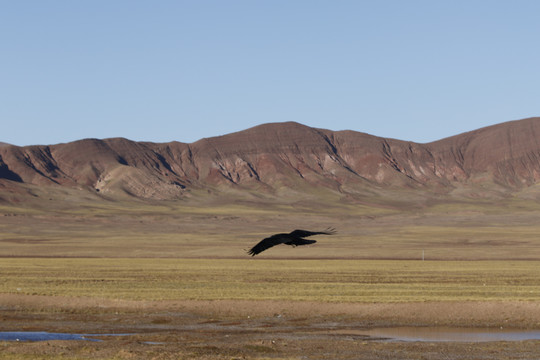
x=294 y=238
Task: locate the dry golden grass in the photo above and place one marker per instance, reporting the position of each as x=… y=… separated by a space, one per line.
x=195 y=250
x=200 y=228
x=259 y=279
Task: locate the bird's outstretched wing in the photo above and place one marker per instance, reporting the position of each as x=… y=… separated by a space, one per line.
x=305 y=233
x=298 y=242
x=268 y=243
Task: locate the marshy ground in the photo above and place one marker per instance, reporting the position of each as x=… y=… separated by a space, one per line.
x=221 y=330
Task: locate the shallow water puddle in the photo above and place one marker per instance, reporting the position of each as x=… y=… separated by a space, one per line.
x=46 y=336
x=446 y=334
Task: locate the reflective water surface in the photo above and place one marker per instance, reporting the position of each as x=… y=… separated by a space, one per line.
x=439 y=334
x=45 y=336
x=425 y=334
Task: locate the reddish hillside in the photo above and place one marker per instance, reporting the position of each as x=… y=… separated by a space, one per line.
x=282 y=157
x=507 y=153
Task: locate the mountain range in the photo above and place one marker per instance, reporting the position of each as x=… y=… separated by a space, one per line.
x=283 y=160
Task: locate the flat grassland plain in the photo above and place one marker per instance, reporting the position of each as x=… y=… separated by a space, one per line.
x=174 y=280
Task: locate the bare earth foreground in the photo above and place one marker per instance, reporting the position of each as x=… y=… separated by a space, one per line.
x=173 y=281
x=273 y=330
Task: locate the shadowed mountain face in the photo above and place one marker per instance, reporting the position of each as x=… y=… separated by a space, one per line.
x=283 y=158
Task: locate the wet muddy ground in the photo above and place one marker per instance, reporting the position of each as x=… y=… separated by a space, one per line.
x=224 y=331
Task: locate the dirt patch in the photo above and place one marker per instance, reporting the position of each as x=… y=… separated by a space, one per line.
x=519 y=314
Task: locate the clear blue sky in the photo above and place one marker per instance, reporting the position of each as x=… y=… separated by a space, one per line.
x=183 y=70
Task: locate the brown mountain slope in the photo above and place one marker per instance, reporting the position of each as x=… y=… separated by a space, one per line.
x=281 y=158
x=507 y=153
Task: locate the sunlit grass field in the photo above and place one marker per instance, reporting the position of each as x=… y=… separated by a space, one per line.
x=444 y=231
x=260 y=279
x=196 y=250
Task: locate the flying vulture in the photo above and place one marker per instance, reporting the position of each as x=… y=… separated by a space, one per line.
x=294 y=238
